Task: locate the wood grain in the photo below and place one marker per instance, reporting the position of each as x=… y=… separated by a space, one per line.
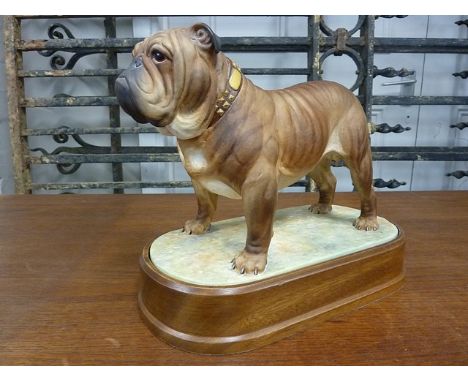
x=238 y=318
x=69 y=278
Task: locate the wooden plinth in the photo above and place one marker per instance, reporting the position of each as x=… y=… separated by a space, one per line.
x=233 y=319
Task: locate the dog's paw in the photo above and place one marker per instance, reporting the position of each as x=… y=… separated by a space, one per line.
x=249 y=263
x=366 y=223
x=195 y=227
x=320 y=208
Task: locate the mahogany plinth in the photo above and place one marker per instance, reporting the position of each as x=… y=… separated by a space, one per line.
x=238 y=318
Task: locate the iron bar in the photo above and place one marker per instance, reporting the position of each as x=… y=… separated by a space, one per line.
x=122 y=185
x=313 y=54
x=367 y=54
x=420 y=45
x=77 y=44
x=112 y=101
x=105 y=158
x=87 y=148
x=107 y=185
x=114 y=111
x=380 y=128
x=70 y=101
x=421 y=153
x=16 y=111
x=90 y=130
x=116 y=72
x=262 y=44
x=69 y=73
x=313 y=64
x=419 y=100
x=386 y=153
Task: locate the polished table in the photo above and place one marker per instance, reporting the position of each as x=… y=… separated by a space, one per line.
x=69 y=278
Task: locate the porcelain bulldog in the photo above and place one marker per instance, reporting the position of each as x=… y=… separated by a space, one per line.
x=240 y=141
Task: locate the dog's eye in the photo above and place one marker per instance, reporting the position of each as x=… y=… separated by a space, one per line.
x=157 y=56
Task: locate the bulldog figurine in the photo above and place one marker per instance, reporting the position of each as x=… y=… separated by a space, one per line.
x=240 y=141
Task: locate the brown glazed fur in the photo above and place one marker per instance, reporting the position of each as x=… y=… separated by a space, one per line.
x=265 y=141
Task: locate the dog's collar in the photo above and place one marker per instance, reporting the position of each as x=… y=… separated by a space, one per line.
x=230 y=92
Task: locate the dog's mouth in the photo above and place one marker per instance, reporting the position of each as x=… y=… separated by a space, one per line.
x=126 y=101
x=157 y=124
x=163 y=122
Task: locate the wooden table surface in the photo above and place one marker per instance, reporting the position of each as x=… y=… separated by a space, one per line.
x=69 y=277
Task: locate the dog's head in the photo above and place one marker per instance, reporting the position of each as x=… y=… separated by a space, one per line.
x=172 y=81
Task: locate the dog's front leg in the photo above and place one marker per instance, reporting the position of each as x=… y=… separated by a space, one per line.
x=259 y=197
x=207 y=202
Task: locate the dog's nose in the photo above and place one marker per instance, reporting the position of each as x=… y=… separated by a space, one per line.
x=121 y=91
x=121 y=86
x=124 y=96
x=120 y=81
x=137 y=62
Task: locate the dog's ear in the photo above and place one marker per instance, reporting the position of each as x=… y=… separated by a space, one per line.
x=205 y=37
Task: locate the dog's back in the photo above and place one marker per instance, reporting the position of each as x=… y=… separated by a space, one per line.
x=313 y=119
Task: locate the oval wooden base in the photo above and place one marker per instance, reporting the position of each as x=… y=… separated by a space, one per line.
x=232 y=319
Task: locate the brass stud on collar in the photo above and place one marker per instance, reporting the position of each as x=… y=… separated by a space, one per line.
x=226 y=98
x=235 y=80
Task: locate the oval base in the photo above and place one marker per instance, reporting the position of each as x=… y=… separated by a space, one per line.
x=236 y=318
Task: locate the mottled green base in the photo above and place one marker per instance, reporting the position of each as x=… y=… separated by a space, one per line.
x=300 y=239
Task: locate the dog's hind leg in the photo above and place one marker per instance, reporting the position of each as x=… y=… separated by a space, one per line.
x=326 y=184
x=361 y=173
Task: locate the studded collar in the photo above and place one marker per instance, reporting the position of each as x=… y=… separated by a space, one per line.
x=230 y=92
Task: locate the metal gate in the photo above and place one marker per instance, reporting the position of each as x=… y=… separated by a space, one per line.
x=321 y=41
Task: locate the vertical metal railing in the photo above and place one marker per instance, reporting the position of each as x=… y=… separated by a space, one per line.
x=313 y=66
x=16 y=112
x=114 y=111
x=367 y=55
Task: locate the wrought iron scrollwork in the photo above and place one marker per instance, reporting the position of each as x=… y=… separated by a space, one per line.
x=392 y=72
x=463 y=74
x=459 y=125
x=458 y=174
x=330 y=32
x=392 y=183
x=54 y=33
x=57 y=61
x=385 y=128
x=341 y=36
x=86 y=148
x=462 y=22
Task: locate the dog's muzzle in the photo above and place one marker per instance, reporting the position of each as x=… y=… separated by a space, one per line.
x=124 y=93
